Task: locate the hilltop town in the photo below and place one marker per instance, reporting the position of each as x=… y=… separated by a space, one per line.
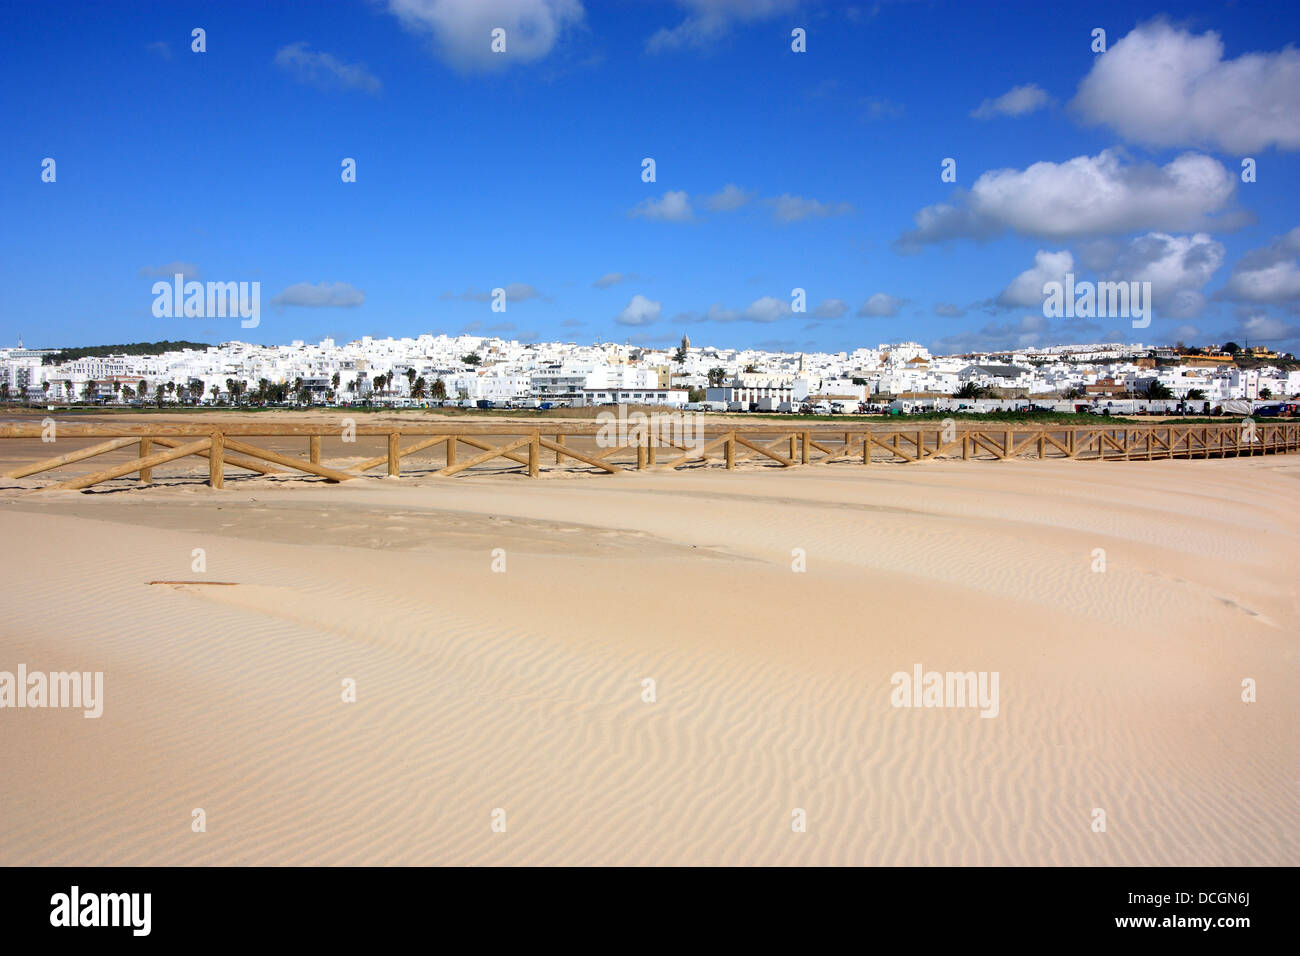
x=473 y=370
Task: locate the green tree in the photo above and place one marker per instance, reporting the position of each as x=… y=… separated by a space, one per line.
x=439 y=390
x=472 y=359
x=1158 y=390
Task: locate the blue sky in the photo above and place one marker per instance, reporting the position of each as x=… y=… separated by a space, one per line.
x=523 y=170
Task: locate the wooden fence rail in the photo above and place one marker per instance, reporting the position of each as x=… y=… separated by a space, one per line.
x=773 y=445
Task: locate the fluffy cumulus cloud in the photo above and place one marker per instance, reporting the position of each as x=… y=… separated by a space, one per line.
x=728 y=198
x=1084 y=196
x=881 y=305
x=673 y=206
x=461 y=30
x=322 y=295
x=831 y=309
x=1178 y=267
x=325 y=70
x=639 y=311
x=709 y=21
x=1166 y=86
x=1017 y=101
x=1026 y=289
x=768 y=309
x=1267 y=276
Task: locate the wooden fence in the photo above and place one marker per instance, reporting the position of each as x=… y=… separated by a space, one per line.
x=645 y=449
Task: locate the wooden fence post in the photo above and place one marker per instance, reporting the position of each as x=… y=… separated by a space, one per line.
x=803 y=456
x=731 y=451
x=394 y=459
x=313 y=449
x=534 y=452
x=217 y=460
x=146 y=449
x=559 y=440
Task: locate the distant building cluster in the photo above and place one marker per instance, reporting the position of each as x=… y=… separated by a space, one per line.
x=469 y=370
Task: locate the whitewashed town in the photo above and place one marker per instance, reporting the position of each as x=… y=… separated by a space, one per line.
x=476 y=372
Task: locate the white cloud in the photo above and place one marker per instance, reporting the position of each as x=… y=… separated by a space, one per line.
x=166 y=271
x=1270 y=275
x=830 y=309
x=1177 y=267
x=1026 y=289
x=881 y=305
x=461 y=30
x=324 y=70
x=1031 y=331
x=768 y=309
x=708 y=22
x=1084 y=196
x=674 y=206
x=639 y=311
x=1017 y=101
x=515 y=292
x=1165 y=86
x=715 y=313
x=1265 y=328
x=948 y=310
x=614 y=278
x=728 y=198
x=322 y=295
x=787 y=208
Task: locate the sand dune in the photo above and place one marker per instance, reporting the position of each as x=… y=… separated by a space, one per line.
x=522 y=690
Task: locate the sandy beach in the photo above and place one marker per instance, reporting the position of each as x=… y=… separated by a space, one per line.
x=509 y=685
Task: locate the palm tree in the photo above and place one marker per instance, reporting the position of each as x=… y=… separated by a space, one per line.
x=216 y=390
x=417 y=388
x=334 y=380
x=410 y=378
x=439 y=390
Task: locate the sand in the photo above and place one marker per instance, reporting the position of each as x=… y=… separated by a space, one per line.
x=522 y=691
